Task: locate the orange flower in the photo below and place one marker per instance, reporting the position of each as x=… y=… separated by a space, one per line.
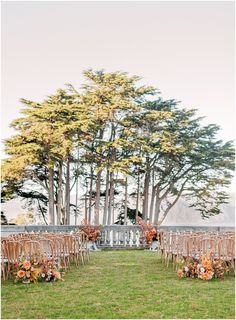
x=206 y=275
x=57 y=275
x=180 y=273
x=21 y=273
x=207 y=264
x=26 y=265
x=27 y=274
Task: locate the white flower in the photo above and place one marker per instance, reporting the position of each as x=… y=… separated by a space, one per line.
x=186 y=269
x=43 y=275
x=202 y=269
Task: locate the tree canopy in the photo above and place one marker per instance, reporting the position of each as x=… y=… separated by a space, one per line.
x=129 y=150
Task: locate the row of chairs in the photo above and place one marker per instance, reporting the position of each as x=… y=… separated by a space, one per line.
x=62 y=249
x=177 y=246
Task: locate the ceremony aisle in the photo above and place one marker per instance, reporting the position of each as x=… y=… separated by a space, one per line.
x=120 y=285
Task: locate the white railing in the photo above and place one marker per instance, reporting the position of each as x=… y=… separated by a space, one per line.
x=113 y=235
x=121 y=236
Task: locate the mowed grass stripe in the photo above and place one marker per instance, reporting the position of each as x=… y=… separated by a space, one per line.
x=120 y=284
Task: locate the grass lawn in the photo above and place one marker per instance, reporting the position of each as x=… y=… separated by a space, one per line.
x=120 y=285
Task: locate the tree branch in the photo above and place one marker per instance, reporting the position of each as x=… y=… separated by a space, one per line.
x=174 y=202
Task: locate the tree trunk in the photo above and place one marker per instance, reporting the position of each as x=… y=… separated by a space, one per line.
x=113 y=212
x=126 y=198
x=51 y=194
x=111 y=199
x=111 y=189
x=67 y=193
x=76 y=200
x=106 y=199
x=152 y=198
x=59 y=194
x=56 y=204
x=42 y=212
x=98 y=187
x=174 y=202
x=77 y=187
x=86 y=208
x=157 y=206
x=146 y=194
x=97 y=199
x=137 y=199
x=90 y=194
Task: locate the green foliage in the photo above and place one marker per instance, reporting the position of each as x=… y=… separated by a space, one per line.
x=113 y=124
x=24 y=218
x=3 y=218
x=131 y=215
x=188 y=160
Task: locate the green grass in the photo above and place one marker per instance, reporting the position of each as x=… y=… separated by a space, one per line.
x=120 y=285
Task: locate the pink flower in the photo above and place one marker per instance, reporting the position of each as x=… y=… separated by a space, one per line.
x=26 y=265
x=21 y=273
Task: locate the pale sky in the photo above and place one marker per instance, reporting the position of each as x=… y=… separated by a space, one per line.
x=185 y=49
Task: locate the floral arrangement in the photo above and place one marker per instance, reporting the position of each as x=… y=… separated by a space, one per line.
x=27 y=272
x=32 y=271
x=49 y=272
x=91 y=233
x=203 y=268
x=148 y=229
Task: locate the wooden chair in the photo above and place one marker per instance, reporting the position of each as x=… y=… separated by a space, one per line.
x=61 y=255
x=13 y=252
x=208 y=247
x=82 y=250
x=3 y=261
x=68 y=248
x=46 y=247
x=193 y=246
x=84 y=246
x=32 y=250
x=226 y=251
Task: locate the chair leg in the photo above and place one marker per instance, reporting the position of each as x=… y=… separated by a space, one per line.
x=168 y=260
x=85 y=256
x=3 y=271
x=81 y=258
x=174 y=261
x=162 y=256
x=233 y=264
x=76 y=259
x=88 y=254
x=8 y=270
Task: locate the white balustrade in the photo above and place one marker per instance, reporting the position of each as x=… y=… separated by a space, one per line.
x=120 y=236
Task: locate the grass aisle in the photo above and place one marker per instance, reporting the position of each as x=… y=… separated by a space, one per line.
x=120 y=284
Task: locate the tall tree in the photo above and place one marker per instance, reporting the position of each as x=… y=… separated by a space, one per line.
x=112 y=97
x=46 y=138
x=188 y=161
x=122 y=132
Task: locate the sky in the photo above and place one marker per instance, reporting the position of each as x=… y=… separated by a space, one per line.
x=185 y=49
